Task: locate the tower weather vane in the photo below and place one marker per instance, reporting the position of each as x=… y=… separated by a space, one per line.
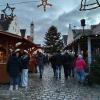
x=85 y=5
x=44 y=4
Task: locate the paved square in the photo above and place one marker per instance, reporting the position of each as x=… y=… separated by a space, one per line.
x=50 y=88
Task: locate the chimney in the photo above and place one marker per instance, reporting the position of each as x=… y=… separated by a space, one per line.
x=2 y=17
x=93 y=26
x=23 y=31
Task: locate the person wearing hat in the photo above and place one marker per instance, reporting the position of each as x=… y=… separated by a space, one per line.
x=14 y=69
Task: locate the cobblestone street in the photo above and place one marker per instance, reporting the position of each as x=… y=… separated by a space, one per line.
x=49 y=88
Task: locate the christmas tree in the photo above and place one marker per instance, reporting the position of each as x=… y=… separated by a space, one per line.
x=53 y=41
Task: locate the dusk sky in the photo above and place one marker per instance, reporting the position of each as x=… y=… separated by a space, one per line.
x=61 y=14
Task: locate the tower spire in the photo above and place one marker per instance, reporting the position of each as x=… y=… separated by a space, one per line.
x=32 y=30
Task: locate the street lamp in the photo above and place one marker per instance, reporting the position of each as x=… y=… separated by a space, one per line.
x=83 y=24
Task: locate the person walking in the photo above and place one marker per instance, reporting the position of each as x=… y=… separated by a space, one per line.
x=34 y=63
x=66 y=61
x=14 y=70
x=40 y=63
x=24 y=63
x=58 y=63
x=80 y=66
x=73 y=65
x=53 y=65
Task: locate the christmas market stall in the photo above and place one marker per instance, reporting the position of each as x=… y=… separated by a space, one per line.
x=8 y=43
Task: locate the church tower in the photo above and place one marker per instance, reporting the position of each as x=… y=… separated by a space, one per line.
x=32 y=31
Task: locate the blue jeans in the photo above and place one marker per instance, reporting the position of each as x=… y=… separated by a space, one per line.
x=41 y=69
x=14 y=80
x=80 y=75
x=24 y=78
x=58 y=71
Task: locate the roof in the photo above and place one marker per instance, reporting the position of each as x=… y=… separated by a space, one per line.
x=9 y=36
x=5 y=22
x=96 y=29
x=77 y=33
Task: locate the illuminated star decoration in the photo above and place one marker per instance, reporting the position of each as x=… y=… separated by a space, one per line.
x=44 y=4
x=89 y=6
x=10 y=9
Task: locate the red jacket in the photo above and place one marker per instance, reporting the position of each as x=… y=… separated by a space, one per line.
x=80 y=64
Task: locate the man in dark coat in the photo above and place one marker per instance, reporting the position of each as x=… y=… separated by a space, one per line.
x=66 y=60
x=40 y=63
x=58 y=63
x=53 y=65
x=14 y=69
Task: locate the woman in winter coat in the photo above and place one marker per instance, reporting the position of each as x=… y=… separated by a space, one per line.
x=80 y=65
x=14 y=69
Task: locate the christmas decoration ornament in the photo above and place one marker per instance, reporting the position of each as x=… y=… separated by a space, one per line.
x=44 y=4
x=85 y=5
x=8 y=11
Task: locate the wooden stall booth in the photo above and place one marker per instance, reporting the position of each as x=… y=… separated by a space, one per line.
x=7 y=43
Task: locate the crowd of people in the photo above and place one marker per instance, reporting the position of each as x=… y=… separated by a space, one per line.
x=73 y=65
x=17 y=66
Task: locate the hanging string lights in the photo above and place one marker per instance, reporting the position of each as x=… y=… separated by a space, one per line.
x=85 y=5
x=44 y=4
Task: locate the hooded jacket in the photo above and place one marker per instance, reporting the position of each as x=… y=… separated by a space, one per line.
x=80 y=64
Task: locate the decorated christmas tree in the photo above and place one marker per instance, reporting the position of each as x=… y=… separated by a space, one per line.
x=53 y=41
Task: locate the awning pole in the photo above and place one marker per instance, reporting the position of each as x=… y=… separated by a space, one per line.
x=89 y=51
x=79 y=49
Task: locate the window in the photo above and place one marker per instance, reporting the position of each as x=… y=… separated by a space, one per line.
x=2 y=55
